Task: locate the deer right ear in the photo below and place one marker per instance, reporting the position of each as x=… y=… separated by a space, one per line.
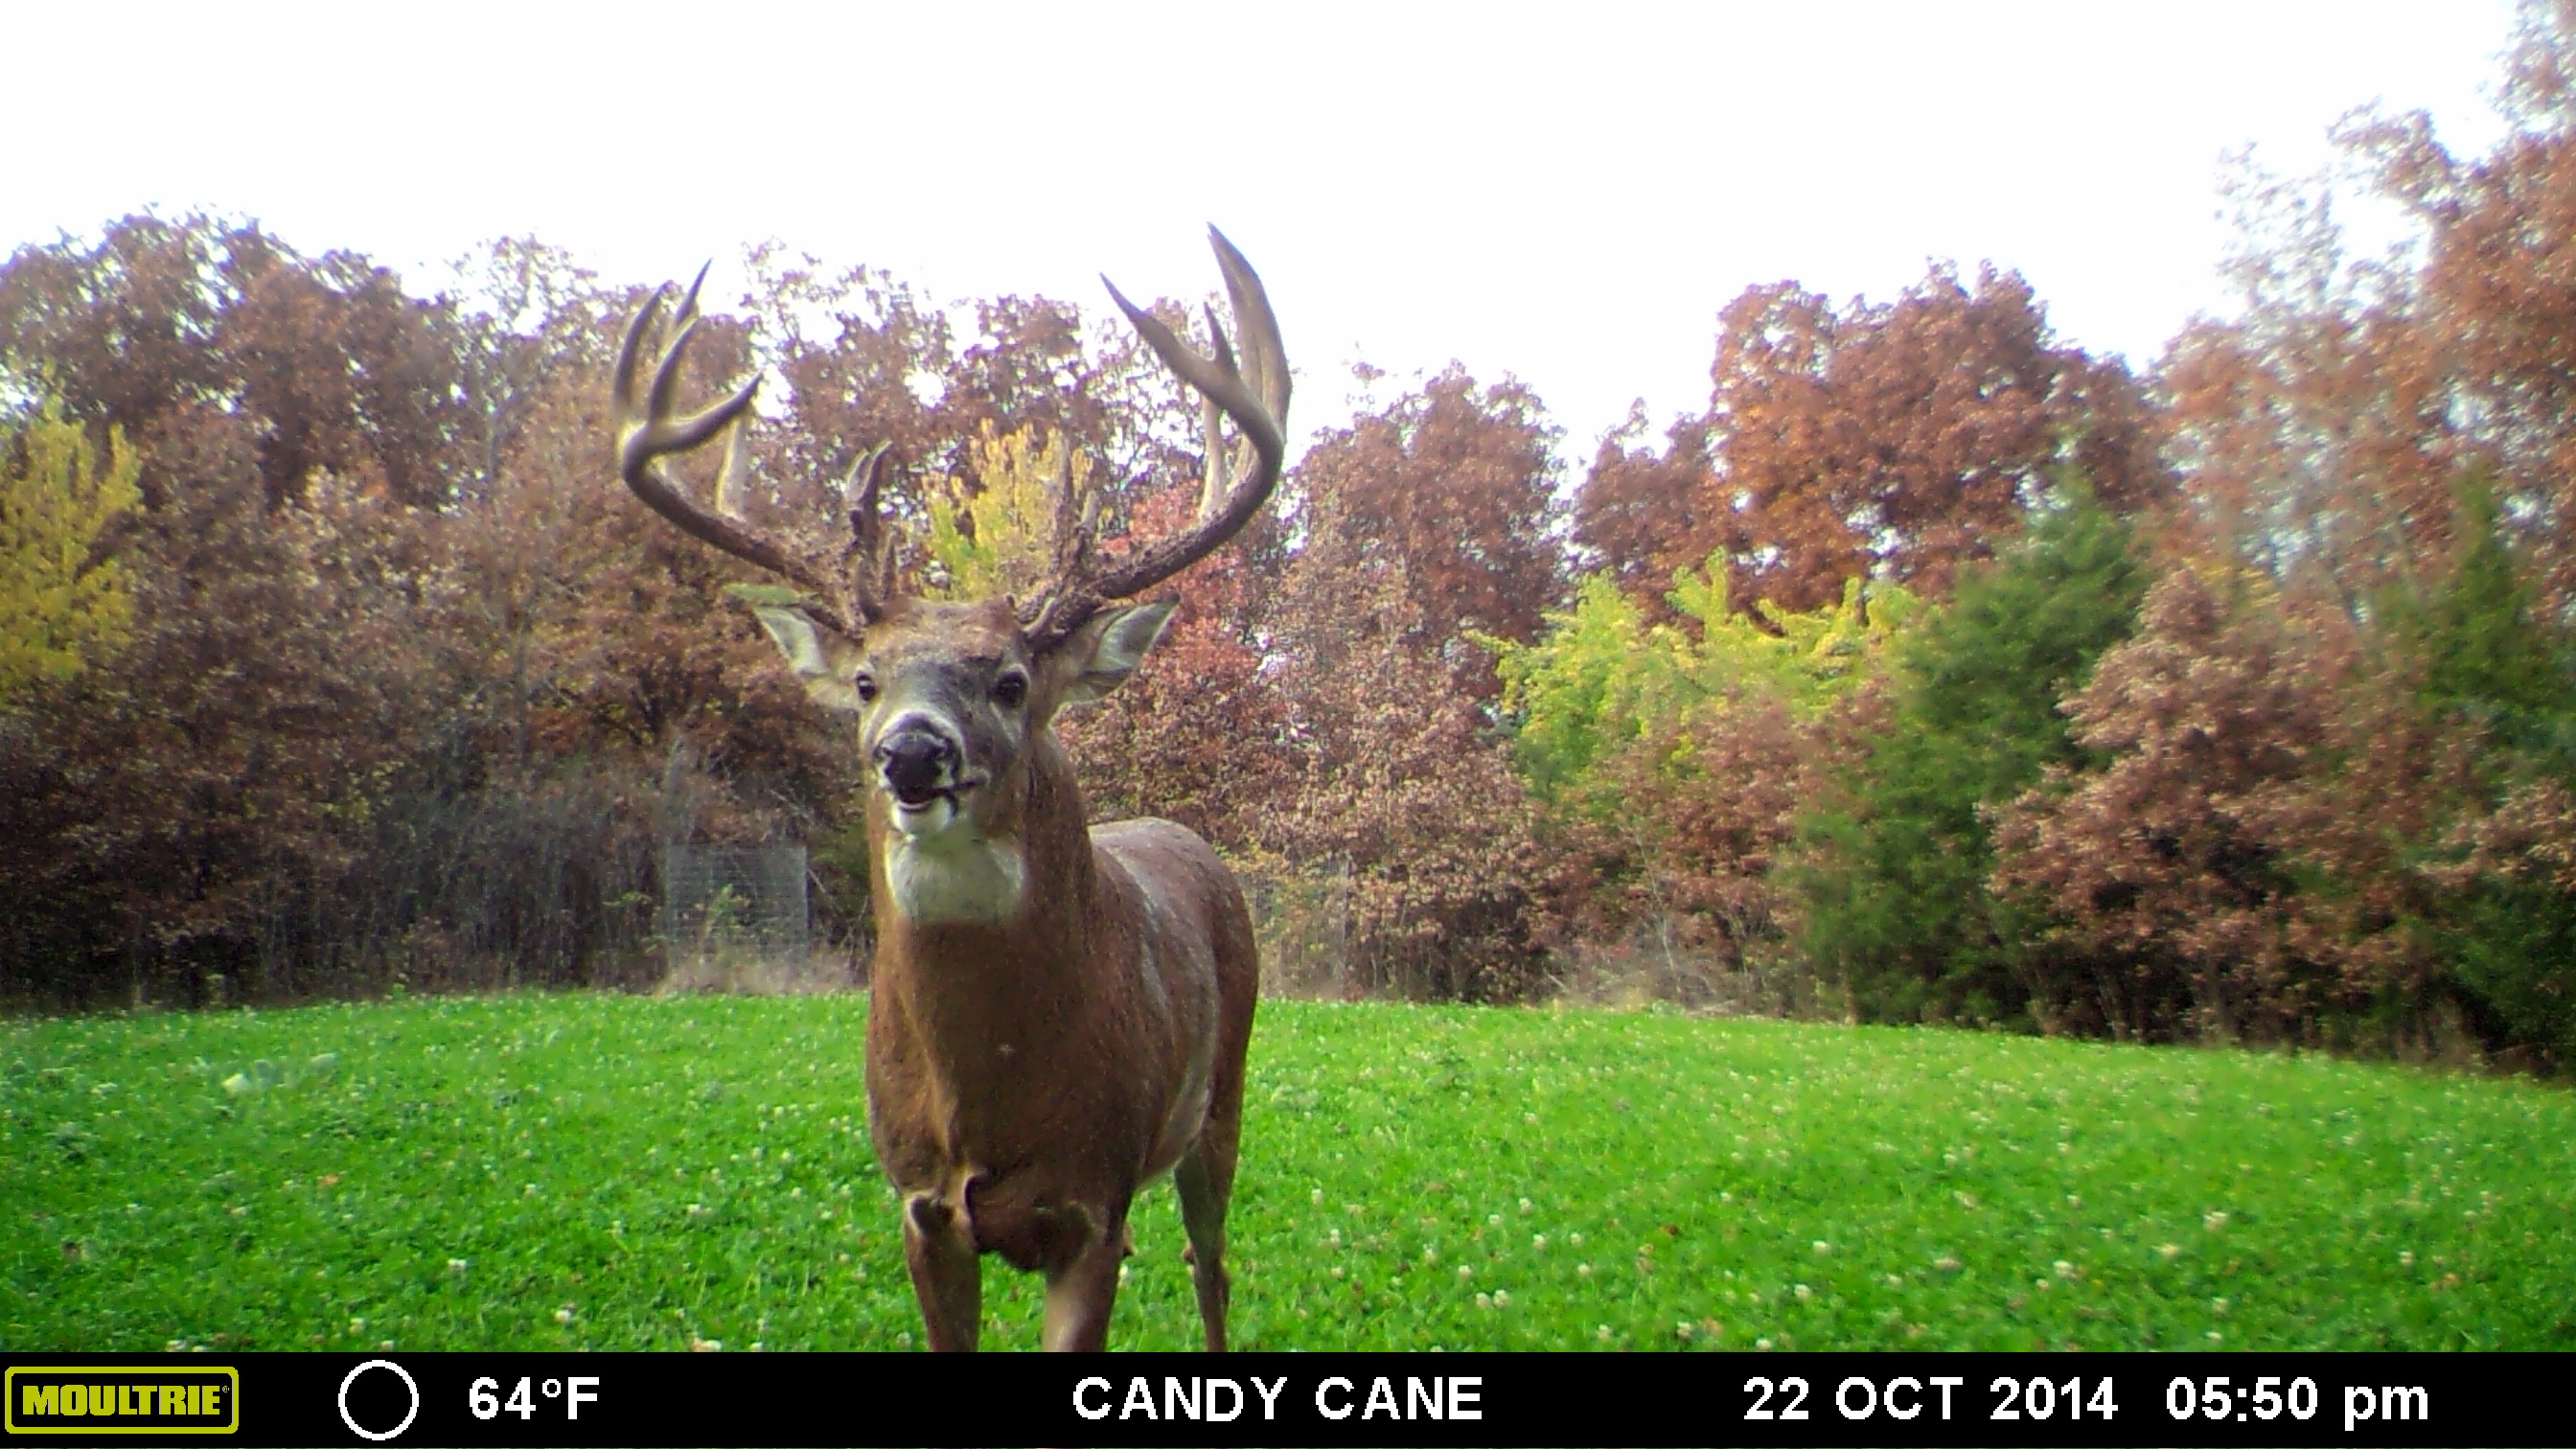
x=824 y=661
x=1108 y=647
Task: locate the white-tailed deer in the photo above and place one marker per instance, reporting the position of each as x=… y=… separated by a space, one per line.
x=1059 y=1013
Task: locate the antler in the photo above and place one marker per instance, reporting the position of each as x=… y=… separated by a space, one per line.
x=1254 y=395
x=848 y=595
x=851 y=590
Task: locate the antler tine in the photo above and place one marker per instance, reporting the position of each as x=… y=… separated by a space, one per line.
x=733 y=478
x=1254 y=394
x=684 y=325
x=1265 y=362
x=868 y=559
x=1070 y=518
x=861 y=488
x=647 y=433
x=688 y=312
x=621 y=387
x=1212 y=478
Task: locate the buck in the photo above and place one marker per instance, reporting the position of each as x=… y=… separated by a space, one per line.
x=1059 y=1013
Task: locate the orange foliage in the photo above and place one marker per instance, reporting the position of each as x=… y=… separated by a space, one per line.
x=1893 y=441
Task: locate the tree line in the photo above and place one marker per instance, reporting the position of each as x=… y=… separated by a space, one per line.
x=1936 y=670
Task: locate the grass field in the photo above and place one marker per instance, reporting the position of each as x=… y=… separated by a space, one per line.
x=540 y=1172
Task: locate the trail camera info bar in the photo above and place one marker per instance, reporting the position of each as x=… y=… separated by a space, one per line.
x=638 y=1399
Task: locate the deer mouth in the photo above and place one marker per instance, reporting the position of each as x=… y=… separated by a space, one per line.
x=912 y=797
x=917 y=798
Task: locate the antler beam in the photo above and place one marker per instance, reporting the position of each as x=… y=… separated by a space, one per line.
x=1253 y=393
x=647 y=433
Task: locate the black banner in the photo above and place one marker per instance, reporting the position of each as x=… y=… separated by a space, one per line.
x=838 y=1399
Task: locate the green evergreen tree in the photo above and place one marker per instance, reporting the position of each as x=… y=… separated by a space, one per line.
x=2487 y=656
x=2507 y=937
x=1893 y=879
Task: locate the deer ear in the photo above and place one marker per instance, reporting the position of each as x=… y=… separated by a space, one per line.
x=824 y=661
x=1099 y=656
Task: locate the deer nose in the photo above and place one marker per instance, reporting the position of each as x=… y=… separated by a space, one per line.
x=915 y=763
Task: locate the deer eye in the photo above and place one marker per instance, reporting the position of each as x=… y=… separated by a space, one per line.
x=1011 y=689
x=866 y=685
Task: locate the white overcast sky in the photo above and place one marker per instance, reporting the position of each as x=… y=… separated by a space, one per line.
x=1567 y=193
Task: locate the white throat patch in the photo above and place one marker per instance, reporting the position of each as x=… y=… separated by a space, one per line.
x=953 y=875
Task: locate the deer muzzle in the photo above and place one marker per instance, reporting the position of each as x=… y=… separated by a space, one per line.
x=917 y=763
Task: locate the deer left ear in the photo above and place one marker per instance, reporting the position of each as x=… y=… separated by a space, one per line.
x=1099 y=656
x=824 y=661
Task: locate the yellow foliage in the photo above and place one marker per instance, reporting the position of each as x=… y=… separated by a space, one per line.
x=991 y=535
x=60 y=602
x=1602 y=675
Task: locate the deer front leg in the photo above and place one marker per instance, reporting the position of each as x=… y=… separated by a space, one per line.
x=1083 y=1288
x=940 y=1250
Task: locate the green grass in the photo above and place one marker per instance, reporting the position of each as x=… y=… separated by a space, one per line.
x=538 y=1172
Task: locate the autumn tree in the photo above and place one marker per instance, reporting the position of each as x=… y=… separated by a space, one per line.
x=2309 y=426
x=523 y=315
x=2324 y=424
x=1200 y=734
x=125 y=328
x=990 y=529
x=325 y=361
x=346 y=718
x=2488 y=317
x=2171 y=877
x=171 y=815
x=178 y=814
x=351 y=373
x=2325 y=430
x=1459 y=480
x=1894 y=441
x=1398 y=790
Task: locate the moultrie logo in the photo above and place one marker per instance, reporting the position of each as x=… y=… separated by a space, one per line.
x=123 y=1400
